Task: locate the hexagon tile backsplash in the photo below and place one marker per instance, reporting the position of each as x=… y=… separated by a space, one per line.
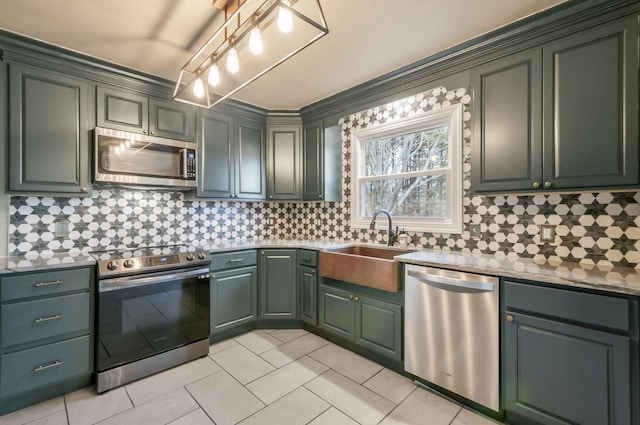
x=600 y=228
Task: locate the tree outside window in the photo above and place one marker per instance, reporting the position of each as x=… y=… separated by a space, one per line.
x=412 y=169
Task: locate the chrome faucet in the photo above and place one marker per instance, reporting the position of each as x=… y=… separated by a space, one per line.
x=392 y=236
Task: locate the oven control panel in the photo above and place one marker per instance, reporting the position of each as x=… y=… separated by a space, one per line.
x=123 y=265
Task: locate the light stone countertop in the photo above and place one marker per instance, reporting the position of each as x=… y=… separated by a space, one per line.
x=612 y=279
x=37 y=262
x=619 y=280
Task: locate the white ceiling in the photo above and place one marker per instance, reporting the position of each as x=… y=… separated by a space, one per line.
x=366 y=38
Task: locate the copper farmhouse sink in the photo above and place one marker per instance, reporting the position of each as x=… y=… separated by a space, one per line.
x=364 y=265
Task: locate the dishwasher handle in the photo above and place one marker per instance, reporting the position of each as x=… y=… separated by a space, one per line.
x=454 y=283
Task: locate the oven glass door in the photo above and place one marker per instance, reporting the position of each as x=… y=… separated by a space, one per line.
x=148 y=314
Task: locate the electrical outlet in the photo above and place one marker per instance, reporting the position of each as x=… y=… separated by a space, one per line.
x=62 y=229
x=474 y=231
x=547 y=233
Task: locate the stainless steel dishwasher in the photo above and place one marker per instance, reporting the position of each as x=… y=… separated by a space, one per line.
x=452 y=332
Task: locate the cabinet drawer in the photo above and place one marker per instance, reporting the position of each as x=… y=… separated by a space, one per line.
x=49 y=283
x=234 y=259
x=28 y=369
x=33 y=320
x=599 y=310
x=308 y=258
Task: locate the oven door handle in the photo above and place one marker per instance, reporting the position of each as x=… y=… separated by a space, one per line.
x=141 y=280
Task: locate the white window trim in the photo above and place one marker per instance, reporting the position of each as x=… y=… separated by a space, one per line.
x=451 y=116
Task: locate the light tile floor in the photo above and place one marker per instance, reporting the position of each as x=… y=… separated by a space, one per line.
x=263 y=377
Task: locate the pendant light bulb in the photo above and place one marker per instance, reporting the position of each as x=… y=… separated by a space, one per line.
x=198 y=88
x=285 y=19
x=214 y=76
x=233 y=65
x=255 y=42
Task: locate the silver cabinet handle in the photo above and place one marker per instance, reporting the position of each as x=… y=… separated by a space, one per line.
x=356 y=298
x=536 y=184
x=83 y=189
x=547 y=184
x=49 y=366
x=351 y=296
x=306 y=259
x=509 y=318
x=449 y=281
x=236 y=260
x=53 y=282
x=47 y=319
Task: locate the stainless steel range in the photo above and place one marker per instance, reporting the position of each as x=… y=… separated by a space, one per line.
x=153 y=311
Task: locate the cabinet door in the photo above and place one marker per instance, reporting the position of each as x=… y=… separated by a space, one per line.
x=278 y=283
x=48 y=132
x=308 y=289
x=233 y=298
x=122 y=110
x=283 y=164
x=215 y=146
x=332 y=164
x=173 y=120
x=507 y=136
x=312 y=162
x=250 y=175
x=336 y=312
x=379 y=326
x=591 y=124
x=562 y=374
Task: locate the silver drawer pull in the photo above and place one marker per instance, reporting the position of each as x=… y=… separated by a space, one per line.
x=53 y=282
x=48 y=366
x=236 y=260
x=306 y=259
x=46 y=319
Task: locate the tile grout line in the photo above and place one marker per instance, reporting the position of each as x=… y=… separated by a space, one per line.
x=196 y=401
x=322 y=398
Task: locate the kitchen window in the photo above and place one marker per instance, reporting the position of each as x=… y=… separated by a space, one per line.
x=412 y=168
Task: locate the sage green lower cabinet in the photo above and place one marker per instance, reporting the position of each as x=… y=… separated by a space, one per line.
x=278 y=273
x=308 y=289
x=233 y=298
x=234 y=289
x=560 y=363
x=369 y=322
x=308 y=286
x=46 y=335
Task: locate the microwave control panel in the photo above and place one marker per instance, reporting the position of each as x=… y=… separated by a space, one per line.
x=191 y=164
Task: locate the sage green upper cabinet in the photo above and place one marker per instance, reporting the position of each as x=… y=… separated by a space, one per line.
x=562 y=116
x=321 y=162
x=134 y=112
x=250 y=174
x=173 y=120
x=590 y=92
x=48 y=131
x=232 y=157
x=283 y=163
x=507 y=144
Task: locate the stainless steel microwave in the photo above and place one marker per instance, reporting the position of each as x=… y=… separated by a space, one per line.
x=124 y=158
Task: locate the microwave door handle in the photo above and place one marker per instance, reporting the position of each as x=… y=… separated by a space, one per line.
x=183 y=157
